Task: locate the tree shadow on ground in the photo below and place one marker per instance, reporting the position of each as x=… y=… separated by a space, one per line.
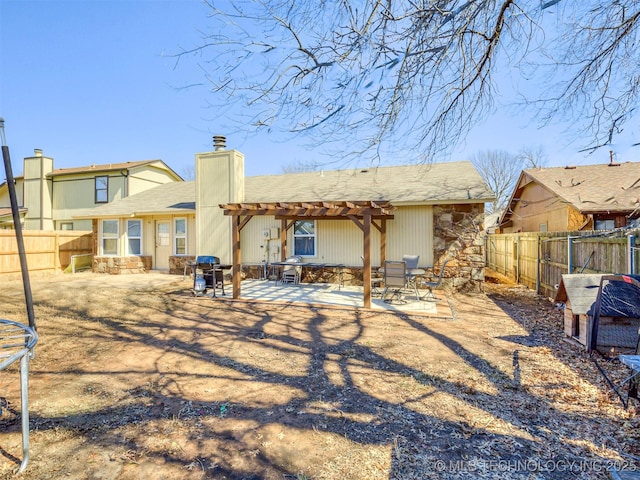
x=354 y=394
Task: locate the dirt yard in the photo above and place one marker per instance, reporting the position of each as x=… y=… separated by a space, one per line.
x=144 y=381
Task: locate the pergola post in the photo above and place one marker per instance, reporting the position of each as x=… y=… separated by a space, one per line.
x=236 y=254
x=383 y=241
x=366 y=273
x=283 y=240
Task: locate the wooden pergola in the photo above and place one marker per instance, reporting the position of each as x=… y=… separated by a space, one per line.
x=363 y=213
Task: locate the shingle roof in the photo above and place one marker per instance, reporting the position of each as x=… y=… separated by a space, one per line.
x=455 y=182
x=108 y=167
x=580 y=290
x=593 y=188
x=7 y=212
x=172 y=197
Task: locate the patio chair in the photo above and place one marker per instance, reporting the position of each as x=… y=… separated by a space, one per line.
x=395 y=280
x=292 y=273
x=376 y=282
x=412 y=265
x=431 y=286
x=411 y=261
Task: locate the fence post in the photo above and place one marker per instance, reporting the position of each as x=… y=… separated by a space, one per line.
x=569 y=254
x=539 y=263
x=56 y=259
x=631 y=243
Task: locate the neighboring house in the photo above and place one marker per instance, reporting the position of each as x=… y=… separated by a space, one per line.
x=492 y=222
x=438 y=213
x=6 y=216
x=588 y=197
x=50 y=198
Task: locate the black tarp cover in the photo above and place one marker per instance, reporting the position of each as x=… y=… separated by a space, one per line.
x=618 y=301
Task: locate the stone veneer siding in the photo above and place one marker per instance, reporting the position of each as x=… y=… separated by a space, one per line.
x=177 y=264
x=458 y=236
x=117 y=265
x=122 y=265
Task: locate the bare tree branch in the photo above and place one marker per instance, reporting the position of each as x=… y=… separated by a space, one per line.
x=418 y=74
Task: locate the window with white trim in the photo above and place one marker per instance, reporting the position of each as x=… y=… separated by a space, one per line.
x=110 y=237
x=134 y=237
x=180 y=236
x=304 y=238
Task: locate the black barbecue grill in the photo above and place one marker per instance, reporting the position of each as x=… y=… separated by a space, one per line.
x=207 y=275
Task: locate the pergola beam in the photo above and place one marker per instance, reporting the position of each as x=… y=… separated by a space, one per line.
x=362 y=213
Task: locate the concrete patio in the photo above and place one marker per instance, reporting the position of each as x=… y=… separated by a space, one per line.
x=345 y=297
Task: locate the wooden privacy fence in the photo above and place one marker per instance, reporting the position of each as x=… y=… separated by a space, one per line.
x=538 y=259
x=47 y=251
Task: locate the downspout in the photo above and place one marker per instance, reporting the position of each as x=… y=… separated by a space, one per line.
x=125 y=186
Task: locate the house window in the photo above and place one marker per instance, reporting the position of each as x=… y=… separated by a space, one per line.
x=102 y=189
x=180 y=236
x=304 y=238
x=543 y=227
x=605 y=224
x=110 y=237
x=66 y=226
x=134 y=237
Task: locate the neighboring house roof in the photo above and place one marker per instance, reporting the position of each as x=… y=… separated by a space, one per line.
x=593 y=188
x=455 y=182
x=6 y=215
x=109 y=167
x=172 y=197
x=580 y=290
x=492 y=221
x=7 y=212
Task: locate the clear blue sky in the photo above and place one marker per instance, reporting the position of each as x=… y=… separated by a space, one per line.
x=94 y=82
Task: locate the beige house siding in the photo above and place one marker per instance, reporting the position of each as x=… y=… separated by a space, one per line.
x=76 y=192
x=221 y=180
x=256 y=247
x=149 y=235
x=145 y=177
x=538 y=206
x=4 y=194
x=37 y=193
x=411 y=233
x=340 y=241
x=79 y=191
